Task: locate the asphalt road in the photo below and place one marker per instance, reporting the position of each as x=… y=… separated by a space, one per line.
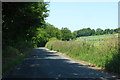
x=42 y=63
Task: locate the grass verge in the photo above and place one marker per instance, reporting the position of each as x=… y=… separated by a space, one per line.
x=103 y=54
x=12 y=61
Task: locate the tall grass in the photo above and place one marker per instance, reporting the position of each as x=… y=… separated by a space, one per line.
x=104 y=54
x=11 y=56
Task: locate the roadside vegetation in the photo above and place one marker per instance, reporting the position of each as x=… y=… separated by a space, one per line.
x=19 y=25
x=103 y=54
x=13 y=57
x=24 y=27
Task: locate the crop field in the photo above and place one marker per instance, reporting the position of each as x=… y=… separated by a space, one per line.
x=96 y=38
x=103 y=50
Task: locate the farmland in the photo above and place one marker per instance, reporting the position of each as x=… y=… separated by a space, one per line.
x=96 y=38
x=101 y=51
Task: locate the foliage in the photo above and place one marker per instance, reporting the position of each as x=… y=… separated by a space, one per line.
x=103 y=54
x=10 y=51
x=24 y=27
x=84 y=32
x=98 y=31
x=22 y=21
x=66 y=34
x=19 y=25
x=43 y=35
x=9 y=63
x=53 y=32
x=41 y=38
x=53 y=38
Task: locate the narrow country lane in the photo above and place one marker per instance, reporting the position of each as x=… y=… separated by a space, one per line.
x=42 y=63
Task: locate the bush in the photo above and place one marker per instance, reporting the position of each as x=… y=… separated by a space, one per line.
x=11 y=62
x=103 y=54
x=53 y=38
x=23 y=45
x=10 y=51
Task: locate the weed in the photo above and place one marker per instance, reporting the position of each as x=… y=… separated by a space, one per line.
x=103 y=53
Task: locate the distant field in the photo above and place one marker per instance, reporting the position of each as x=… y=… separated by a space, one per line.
x=96 y=38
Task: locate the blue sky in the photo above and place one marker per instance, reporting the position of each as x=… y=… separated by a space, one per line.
x=78 y=15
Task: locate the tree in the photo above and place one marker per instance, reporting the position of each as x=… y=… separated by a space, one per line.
x=99 y=31
x=116 y=30
x=41 y=37
x=66 y=34
x=20 y=20
x=84 y=32
x=93 y=32
x=111 y=31
x=75 y=34
x=106 y=31
x=53 y=32
x=119 y=30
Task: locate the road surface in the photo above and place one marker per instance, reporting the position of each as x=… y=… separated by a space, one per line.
x=42 y=63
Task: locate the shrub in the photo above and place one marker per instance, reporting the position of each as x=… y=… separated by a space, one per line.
x=10 y=51
x=101 y=53
x=53 y=38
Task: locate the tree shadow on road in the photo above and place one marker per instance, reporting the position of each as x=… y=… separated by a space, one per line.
x=65 y=68
x=44 y=64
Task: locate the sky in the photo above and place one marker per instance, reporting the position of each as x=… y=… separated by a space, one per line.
x=79 y=15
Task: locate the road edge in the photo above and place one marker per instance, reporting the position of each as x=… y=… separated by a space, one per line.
x=85 y=63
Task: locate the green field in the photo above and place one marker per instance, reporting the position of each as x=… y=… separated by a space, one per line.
x=102 y=52
x=96 y=38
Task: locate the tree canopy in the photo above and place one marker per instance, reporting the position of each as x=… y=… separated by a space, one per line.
x=25 y=21
x=89 y=32
x=20 y=20
x=66 y=34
